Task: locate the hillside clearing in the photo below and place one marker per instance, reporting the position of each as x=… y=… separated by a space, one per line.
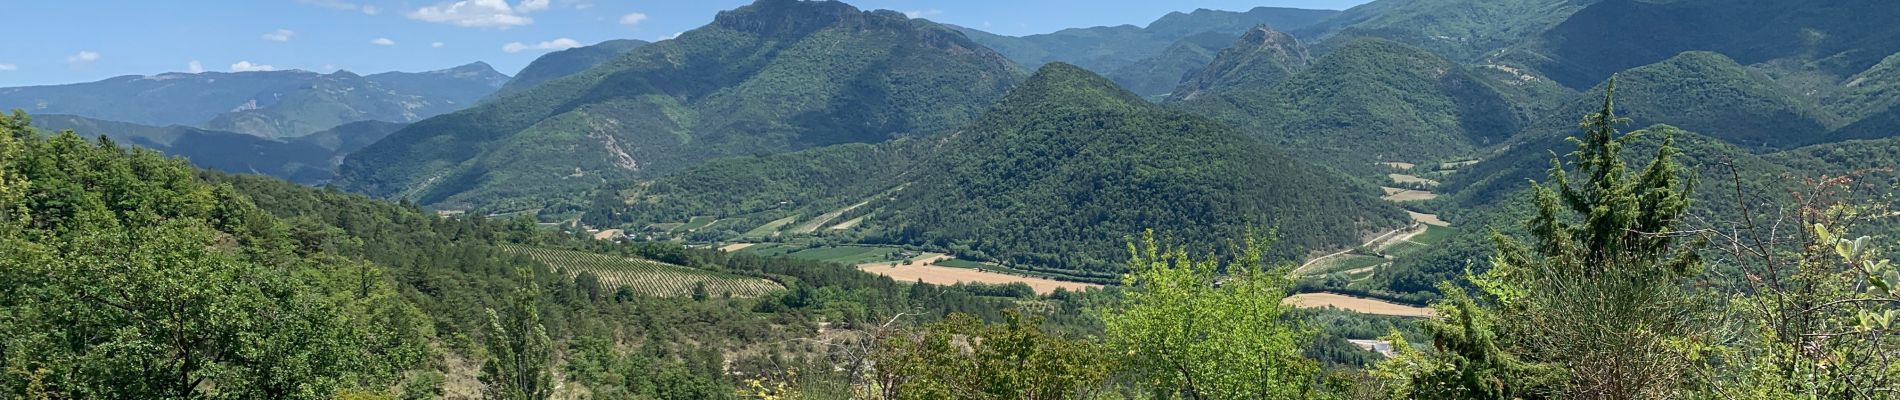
x=771 y=228
x=1403 y=178
x=1399 y=165
x=853 y=223
x=646 y=277
x=1356 y=304
x=1398 y=195
x=735 y=247
x=815 y=223
x=1428 y=219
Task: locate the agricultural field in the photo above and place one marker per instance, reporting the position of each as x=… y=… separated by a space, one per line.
x=851 y=255
x=1356 y=304
x=1398 y=195
x=646 y=277
x=929 y=268
x=1411 y=179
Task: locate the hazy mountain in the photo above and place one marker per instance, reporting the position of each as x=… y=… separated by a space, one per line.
x=560 y=64
x=1150 y=60
x=271 y=104
x=309 y=160
x=777 y=75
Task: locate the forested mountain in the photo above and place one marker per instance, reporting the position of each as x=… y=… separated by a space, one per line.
x=1050 y=180
x=1836 y=39
x=269 y=104
x=1058 y=173
x=1150 y=60
x=310 y=159
x=1261 y=58
x=560 y=64
x=777 y=75
x=1370 y=101
x=1465 y=31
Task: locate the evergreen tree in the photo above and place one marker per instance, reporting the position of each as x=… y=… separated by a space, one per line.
x=519 y=351
x=1601 y=290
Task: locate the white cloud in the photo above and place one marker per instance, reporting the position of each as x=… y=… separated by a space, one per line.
x=436 y=45
x=480 y=13
x=551 y=45
x=632 y=19
x=672 y=36
x=280 y=35
x=344 y=5
x=9 y=67
x=247 y=66
x=383 y=41
x=923 y=13
x=194 y=67
x=83 y=57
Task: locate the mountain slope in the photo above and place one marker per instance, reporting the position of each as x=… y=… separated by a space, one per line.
x=1370 y=101
x=774 y=76
x=1160 y=74
x=1708 y=93
x=1838 y=38
x=1062 y=171
x=1261 y=58
x=560 y=64
x=271 y=104
x=1465 y=31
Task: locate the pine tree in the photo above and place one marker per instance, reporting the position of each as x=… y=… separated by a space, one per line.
x=1601 y=289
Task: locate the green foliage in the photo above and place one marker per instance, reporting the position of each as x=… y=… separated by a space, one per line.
x=519 y=351
x=130 y=278
x=1603 y=289
x=960 y=357
x=1194 y=333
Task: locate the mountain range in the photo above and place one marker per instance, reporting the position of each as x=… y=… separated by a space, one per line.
x=267 y=104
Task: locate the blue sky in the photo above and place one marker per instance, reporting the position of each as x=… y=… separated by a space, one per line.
x=54 y=42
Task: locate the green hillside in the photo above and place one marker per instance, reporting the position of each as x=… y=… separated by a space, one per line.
x=561 y=64
x=1261 y=58
x=1838 y=40
x=774 y=76
x=1057 y=175
x=1371 y=101
x=1465 y=31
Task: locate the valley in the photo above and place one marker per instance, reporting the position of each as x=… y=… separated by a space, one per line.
x=793 y=199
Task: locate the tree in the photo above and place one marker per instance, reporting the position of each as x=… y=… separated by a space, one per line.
x=961 y=357
x=518 y=350
x=1603 y=288
x=1197 y=334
